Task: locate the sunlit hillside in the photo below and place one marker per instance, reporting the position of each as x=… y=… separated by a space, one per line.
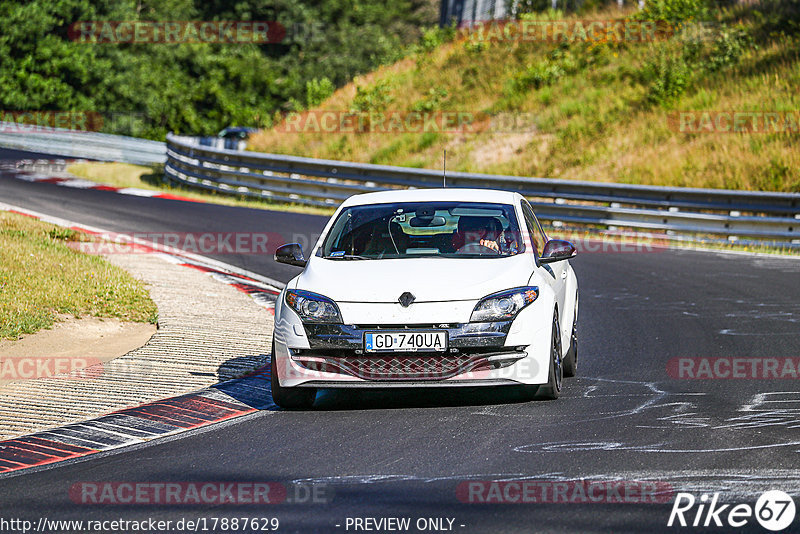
x=607 y=109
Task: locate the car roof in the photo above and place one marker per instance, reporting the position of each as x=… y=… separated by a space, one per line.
x=237 y=129
x=433 y=195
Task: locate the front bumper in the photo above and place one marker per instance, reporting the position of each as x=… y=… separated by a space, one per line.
x=472 y=347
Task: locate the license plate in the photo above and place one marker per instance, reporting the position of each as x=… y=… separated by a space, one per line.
x=410 y=341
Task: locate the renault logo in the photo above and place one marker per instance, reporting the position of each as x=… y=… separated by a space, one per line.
x=406 y=299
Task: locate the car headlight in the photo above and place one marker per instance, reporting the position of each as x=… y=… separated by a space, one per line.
x=313 y=308
x=503 y=305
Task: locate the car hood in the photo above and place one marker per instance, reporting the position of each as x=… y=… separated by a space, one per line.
x=428 y=279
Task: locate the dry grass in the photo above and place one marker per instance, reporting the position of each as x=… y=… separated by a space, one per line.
x=128 y=175
x=592 y=124
x=41 y=277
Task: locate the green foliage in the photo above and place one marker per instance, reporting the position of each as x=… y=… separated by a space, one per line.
x=474 y=46
x=727 y=48
x=674 y=10
x=434 y=37
x=667 y=75
x=524 y=8
x=672 y=67
x=427 y=140
x=538 y=75
x=375 y=98
x=547 y=15
x=776 y=174
x=65 y=234
x=559 y=63
x=149 y=89
x=317 y=91
x=432 y=101
x=778 y=17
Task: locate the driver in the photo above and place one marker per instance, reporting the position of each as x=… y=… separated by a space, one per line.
x=479 y=232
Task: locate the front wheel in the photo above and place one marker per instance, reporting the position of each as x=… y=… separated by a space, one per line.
x=288 y=398
x=555 y=381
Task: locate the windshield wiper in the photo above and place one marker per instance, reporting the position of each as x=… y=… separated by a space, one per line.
x=348 y=257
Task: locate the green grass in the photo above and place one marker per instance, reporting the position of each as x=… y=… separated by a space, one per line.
x=42 y=277
x=152 y=178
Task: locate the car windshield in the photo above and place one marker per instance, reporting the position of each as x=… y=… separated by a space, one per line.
x=419 y=229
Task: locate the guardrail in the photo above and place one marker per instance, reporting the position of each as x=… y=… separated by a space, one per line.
x=79 y=144
x=763 y=216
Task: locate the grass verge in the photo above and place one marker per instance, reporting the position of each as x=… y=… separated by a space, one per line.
x=151 y=178
x=41 y=276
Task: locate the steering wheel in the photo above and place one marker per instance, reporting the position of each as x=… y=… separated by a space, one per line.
x=476 y=248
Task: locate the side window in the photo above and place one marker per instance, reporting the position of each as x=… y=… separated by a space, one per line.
x=544 y=237
x=537 y=237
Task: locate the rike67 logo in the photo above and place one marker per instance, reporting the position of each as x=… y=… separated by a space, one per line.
x=774 y=510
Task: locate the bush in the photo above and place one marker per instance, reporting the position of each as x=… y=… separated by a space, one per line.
x=317 y=91
x=475 y=46
x=199 y=88
x=529 y=6
x=375 y=98
x=539 y=75
x=726 y=50
x=432 y=101
x=559 y=63
x=433 y=38
x=673 y=10
x=667 y=75
x=778 y=17
x=671 y=70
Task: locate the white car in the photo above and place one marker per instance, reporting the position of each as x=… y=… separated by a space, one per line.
x=427 y=287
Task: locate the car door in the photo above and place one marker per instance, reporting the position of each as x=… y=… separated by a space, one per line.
x=555 y=273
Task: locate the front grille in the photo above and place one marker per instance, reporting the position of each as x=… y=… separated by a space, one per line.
x=397 y=366
x=413 y=326
x=463 y=336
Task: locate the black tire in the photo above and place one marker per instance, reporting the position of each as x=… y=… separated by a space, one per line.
x=571 y=358
x=552 y=389
x=289 y=398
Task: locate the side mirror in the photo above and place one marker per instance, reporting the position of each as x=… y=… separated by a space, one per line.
x=557 y=250
x=291 y=254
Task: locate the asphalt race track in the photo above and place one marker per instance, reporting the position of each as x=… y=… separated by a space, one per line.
x=405 y=453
